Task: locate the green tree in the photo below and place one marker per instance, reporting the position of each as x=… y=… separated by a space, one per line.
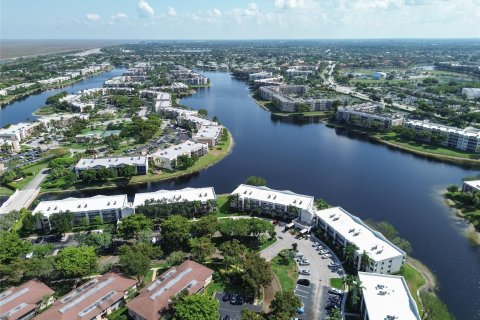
x=452 y=188
x=12 y=247
x=61 y=222
x=205 y=226
x=365 y=261
x=42 y=268
x=303 y=107
x=175 y=232
x=257 y=272
x=134 y=262
x=176 y=257
x=195 y=307
x=349 y=253
x=321 y=204
x=203 y=112
x=233 y=251
x=100 y=241
x=201 y=248
x=76 y=261
x=285 y=302
x=250 y=315
x=131 y=226
x=256 y=181
x=40 y=251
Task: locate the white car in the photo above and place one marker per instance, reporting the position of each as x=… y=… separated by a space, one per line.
x=304 y=263
x=315 y=244
x=326 y=256
x=305 y=272
x=333 y=264
x=323 y=251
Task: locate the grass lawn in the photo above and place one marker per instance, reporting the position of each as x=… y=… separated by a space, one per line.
x=33 y=170
x=148 y=277
x=214 y=287
x=4 y=191
x=414 y=280
x=267 y=243
x=286 y=272
x=223 y=208
x=422 y=147
x=336 y=283
x=468 y=211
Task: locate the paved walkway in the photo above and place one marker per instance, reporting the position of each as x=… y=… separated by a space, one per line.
x=25 y=197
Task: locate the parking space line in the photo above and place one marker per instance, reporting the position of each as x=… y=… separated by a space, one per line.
x=299 y=295
x=302 y=291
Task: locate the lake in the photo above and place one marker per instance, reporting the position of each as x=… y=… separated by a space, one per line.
x=370 y=180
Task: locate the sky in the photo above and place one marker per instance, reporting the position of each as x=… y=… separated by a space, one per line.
x=237 y=19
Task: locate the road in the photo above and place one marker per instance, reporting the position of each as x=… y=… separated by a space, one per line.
x=314 y=297
x=24 y=197
x=351 y=91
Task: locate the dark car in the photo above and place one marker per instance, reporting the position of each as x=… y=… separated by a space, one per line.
x=240 y=300
x=227 y=317
x=226 y=297
x=233 y=298
x=303 y=282
x=39 y=240
x=331 y=306
x=250 y=299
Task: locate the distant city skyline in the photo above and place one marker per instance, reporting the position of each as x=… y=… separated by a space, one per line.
x=261 y=19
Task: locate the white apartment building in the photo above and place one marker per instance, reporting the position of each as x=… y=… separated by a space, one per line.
x=259 y=75
x=471 y=93
x=19 y=131
x=209 y=135
x=386 y=297
x=344 y=228
x=140 y=163
x=467 y=139
x=204 y=195
x=13 y=146
x=281 y=201
x=199 y=122
x=167 y=158
x=163 y=100
x=471 y=186
x=368 y=114
x=109 y=208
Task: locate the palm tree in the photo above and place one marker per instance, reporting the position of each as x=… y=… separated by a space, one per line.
x=233 y=200
x=348 y=281
x=356 y=289
x=335 y=314
x=365 y=261
x=349 y=253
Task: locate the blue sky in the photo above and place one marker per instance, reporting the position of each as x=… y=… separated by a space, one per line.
x=237 y=19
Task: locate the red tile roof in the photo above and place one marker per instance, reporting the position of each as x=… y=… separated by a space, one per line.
x=90 y=299
x=16 y=302
x=154 y=298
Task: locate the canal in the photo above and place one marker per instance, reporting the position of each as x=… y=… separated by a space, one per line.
x=370 y=180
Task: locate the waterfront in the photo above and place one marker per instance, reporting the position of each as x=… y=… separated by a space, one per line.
x=21 y=109
x=369 y=180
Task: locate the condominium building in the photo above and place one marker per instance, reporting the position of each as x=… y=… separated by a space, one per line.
x=153 y=300
x=20 y=131
x=386 y=297
x=467 y=139
x=11 y=146
x=282 y=96
x=23 y=302
x=167 y=158
x=208 y=134
x=259 y=75
x=275 y=81
x=140 y=163
x=270 y=200
x=471 y=186
x=299 y=71
x=108 y=208
x=203 y=195
x=369 y=115
x=344 y=228
x=198 y=121
x=471 y=93
x=95 y=299
x=163 y=100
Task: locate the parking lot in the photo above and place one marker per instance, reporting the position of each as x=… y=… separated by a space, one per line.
x=234 y=310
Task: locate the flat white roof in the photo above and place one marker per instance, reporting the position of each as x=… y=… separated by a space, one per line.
x=82 y=204
x=18 y=127
x=355 y=231
x=283 y=197
x=471 y=132
x=86 y=163
x=183 y=148
x=188 y=194
x=387 y=295
x=181 y=112
x=208 y=132
x=473 y=183
x=202 y=121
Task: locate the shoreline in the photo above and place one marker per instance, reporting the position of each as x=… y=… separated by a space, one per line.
x=469 y=232
x=159 y=179
x=26 y=94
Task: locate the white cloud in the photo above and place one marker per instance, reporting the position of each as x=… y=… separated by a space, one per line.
x=172 y=12
x=144 y=9
x=289 y=4
x=216 y=12
x=251 y=10
x=119 y=16
x=92 y=16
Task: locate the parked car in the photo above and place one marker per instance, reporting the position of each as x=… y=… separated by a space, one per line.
x=304 y=263
x=315 y=244
x=326 y=256
x=227 y=317
x=303 y=282
x=226 y=297
x=323 y=251
x=333 y=264
x=305 y=272
x=305 y=260
x=240 y=300
x=233 y=298
x=335 y=291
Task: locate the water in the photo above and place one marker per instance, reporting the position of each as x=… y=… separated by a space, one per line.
x=369 y=180
x=21 y=110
